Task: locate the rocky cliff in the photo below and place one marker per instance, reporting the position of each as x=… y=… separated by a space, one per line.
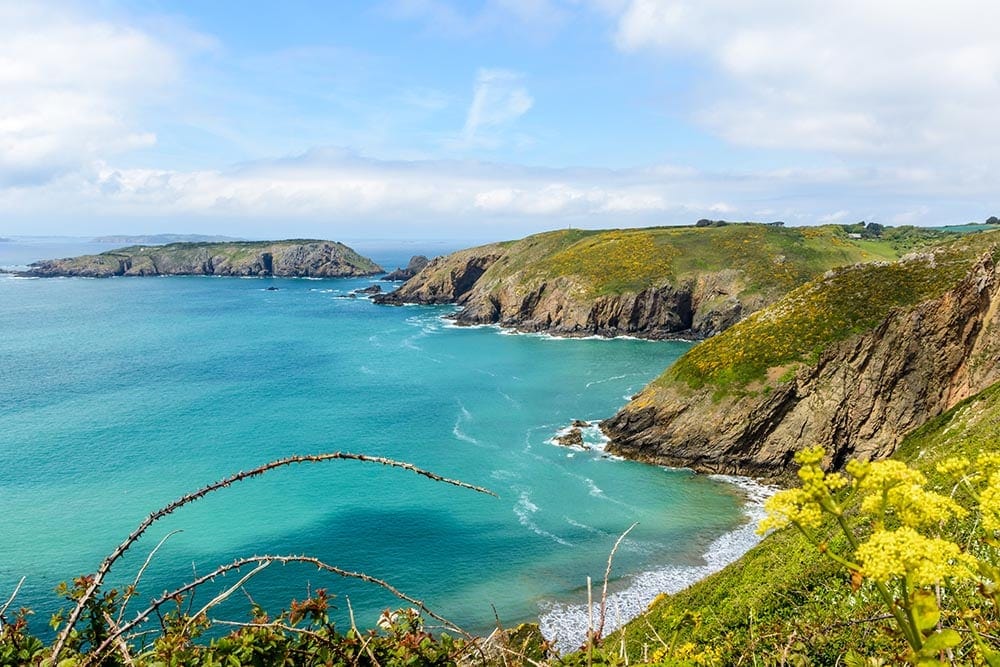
x=651 y=283
x=413 y=267
x=305 y=258
x=447 y=279
x=904 y=342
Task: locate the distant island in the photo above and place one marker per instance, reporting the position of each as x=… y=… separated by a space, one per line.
x=291 y=258
x=4 y=239
x=163 y=239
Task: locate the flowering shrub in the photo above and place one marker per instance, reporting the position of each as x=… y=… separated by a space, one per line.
x=930 y=554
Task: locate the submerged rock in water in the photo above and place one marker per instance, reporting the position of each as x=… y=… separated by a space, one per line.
x=373 y=289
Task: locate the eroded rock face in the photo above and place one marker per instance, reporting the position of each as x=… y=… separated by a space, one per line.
x=859 y=399
x=563 y=306
x=322 y=259
x=415 y=266
x=445 y=279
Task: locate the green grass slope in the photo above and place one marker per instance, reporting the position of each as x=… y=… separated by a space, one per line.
x=821 y=312
x=784 y=602
x=629 y=260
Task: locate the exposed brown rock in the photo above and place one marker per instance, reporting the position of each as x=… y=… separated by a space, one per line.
x=859 y=399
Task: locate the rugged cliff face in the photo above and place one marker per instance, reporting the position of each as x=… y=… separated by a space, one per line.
x=324 y=259
x=858 y=397
x=651 y=283
x=695 y=307
x=445 y=279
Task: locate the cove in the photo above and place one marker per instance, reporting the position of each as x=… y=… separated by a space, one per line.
x=123 y=394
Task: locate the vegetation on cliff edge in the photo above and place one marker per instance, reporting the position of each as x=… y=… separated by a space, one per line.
x=772 y=259
x=784 y=601
x=840 y=304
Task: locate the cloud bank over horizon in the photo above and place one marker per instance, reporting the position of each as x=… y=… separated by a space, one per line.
x=428 y=119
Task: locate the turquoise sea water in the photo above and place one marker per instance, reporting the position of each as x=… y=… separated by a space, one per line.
x=120 y=395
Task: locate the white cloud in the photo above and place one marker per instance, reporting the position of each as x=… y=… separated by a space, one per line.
x=498 y=99
x=892 y=78
x=69 y=88
x=323 y=191
x=836 y=216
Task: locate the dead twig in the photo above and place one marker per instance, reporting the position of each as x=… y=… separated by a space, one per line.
x=364 y=640
x=119 y=643
x=166 y=510
x=10 y=601
x=607 y=575
x=130 y=591
x=258 y=560
x=224 y=595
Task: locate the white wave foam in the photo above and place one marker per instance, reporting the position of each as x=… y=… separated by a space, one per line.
x=583 y=526
x=616 y=377
x=593 y=437
x=457 y=431
x=463 y=416
x=566 y=624
x=524 y=509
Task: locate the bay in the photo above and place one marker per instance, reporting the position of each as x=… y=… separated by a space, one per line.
x=120 y=395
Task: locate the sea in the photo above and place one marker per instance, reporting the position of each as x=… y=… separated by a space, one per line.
x=120 y=395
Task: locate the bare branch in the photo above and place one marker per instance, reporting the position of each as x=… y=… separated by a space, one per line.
x=119 y=643
x=10 y=600
x=130 y=591
x=120 y=550
x=257 y=560
x=224 y=595
x=607 y=575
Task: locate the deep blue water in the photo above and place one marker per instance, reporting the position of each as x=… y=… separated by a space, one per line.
x=119 y=395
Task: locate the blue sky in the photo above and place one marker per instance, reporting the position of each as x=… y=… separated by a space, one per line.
x=478 y=120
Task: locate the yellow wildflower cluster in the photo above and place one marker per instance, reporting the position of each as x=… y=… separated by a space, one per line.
x=895 y=488
x=906 y=553
x=989 y=503
x=689 y=653
x=804 y=506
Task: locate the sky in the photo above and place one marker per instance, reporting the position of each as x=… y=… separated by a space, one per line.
x=492 y=119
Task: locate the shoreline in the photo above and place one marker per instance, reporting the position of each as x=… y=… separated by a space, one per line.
x=566 y=624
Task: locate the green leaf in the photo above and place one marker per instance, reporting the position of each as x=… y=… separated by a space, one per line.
x=940 y=641
x=925 y=610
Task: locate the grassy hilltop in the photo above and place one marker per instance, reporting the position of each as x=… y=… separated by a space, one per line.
x=652 y=282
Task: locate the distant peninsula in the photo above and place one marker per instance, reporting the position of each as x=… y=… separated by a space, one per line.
x=291 y=258
x=163 y=239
